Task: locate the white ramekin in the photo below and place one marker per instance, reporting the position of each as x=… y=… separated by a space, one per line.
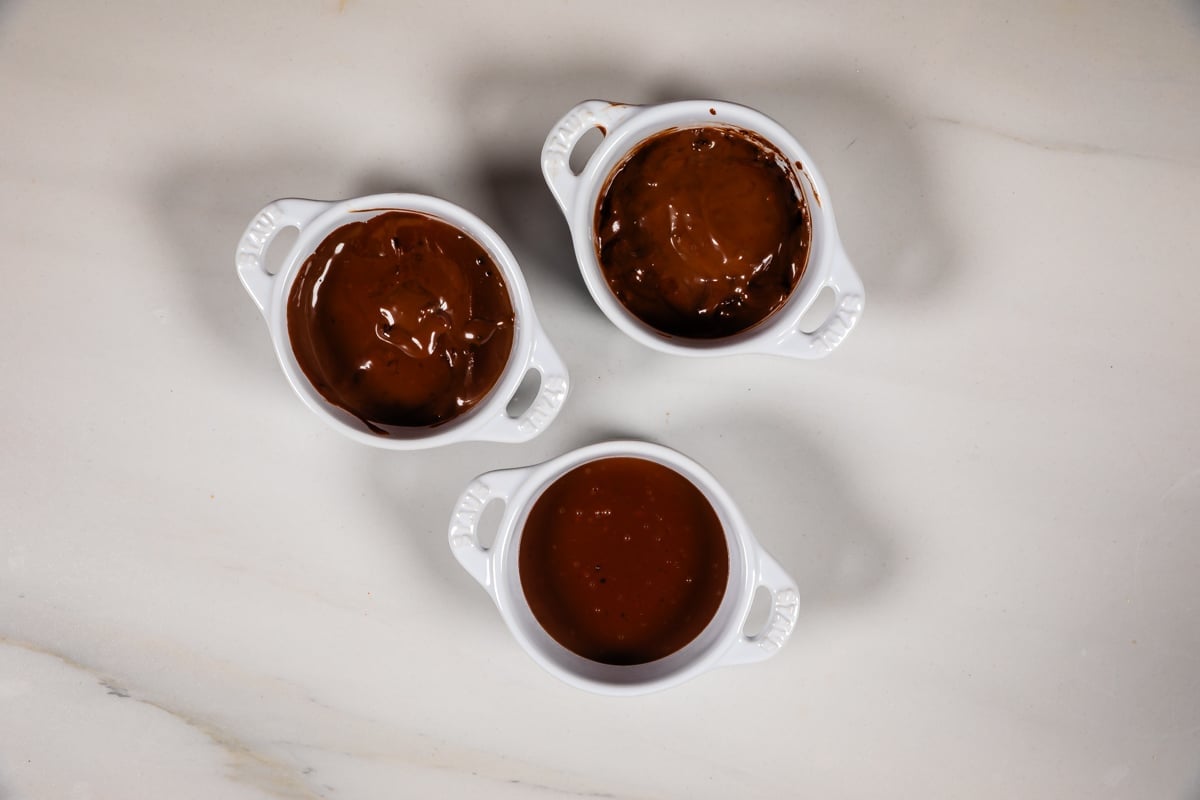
x=722 y=642
x=531 y=349
x=624 y=128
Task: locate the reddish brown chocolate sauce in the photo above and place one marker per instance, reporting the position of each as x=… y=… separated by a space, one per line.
x=702 y=232
x=623 y=561
x=403 y=320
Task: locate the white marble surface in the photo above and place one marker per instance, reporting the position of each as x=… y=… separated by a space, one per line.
x=990 y=494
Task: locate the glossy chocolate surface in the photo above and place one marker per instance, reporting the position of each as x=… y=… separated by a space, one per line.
x=702 y=232
x=623 y=560
x=403 y=320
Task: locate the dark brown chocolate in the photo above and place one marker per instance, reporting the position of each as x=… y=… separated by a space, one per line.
x=702 y=232
x=623 y=561
x=403 y=320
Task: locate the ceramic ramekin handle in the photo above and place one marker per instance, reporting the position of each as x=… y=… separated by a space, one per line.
x=252 y=249
x=464 y=523
x=555 y=383
x=556 y=153
x=785 y=602
x=848 y=300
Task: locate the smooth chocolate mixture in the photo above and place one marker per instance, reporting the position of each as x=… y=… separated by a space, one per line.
x=403 y=320
x=623 y=561
x=702 y=232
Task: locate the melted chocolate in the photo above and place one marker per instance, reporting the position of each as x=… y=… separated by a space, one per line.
x=623 y=561
x=402 y=320
x=702 y=232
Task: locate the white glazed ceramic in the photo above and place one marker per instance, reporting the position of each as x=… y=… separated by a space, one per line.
x=624 y=127
x=722 y=642
x=531 y=350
